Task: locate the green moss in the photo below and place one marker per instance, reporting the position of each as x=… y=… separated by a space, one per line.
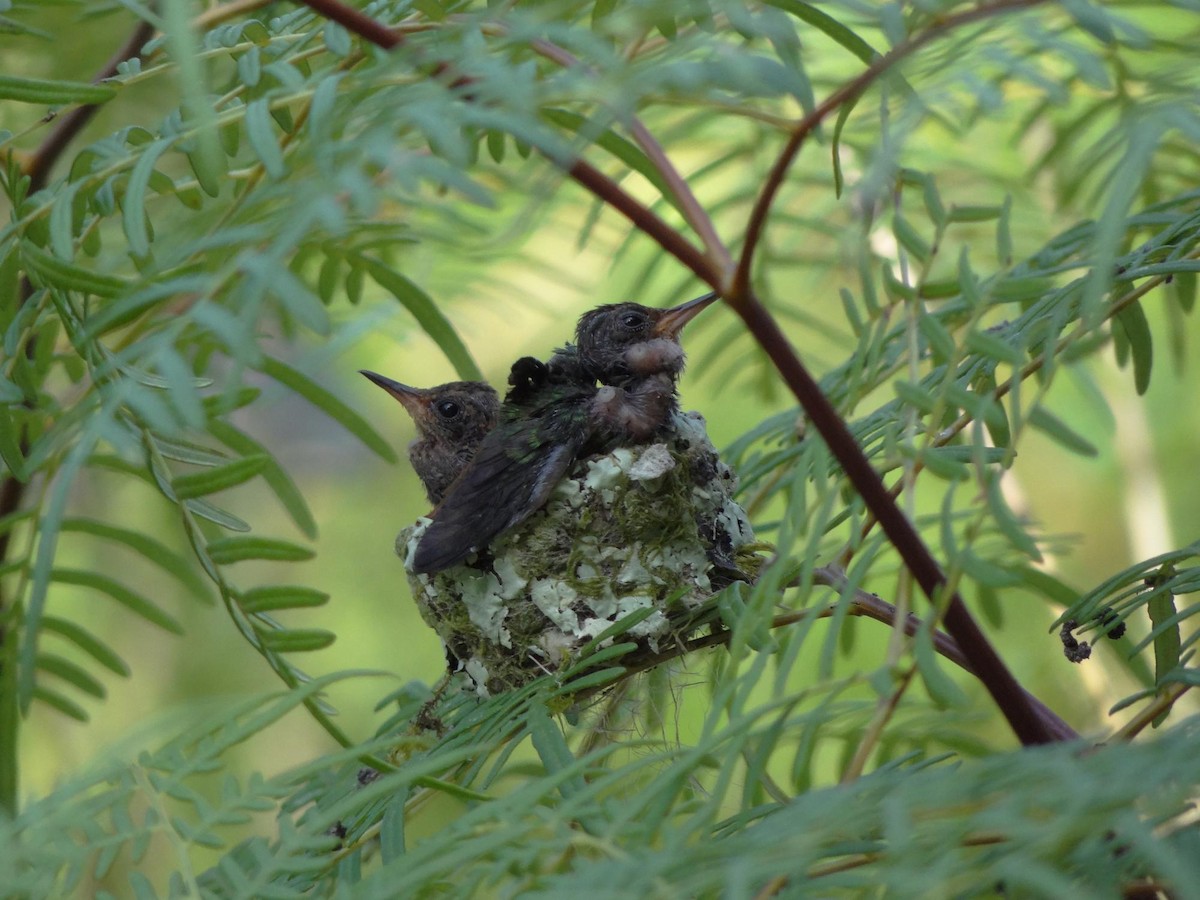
x=636 y=528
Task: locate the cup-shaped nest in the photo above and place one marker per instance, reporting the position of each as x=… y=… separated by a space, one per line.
x=650 y=527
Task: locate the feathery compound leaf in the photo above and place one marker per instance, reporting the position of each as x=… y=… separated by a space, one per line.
x=329 y=404
x=427 y=314
x=72 y=673
x=1059 y=432
x=221 y=478
x=54 y=272
x=53 y=699
x=215 y=514
x=236 y=549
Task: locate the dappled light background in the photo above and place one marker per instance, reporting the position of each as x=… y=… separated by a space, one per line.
x=515 y=287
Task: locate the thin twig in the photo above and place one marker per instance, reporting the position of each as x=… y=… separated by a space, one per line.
x=874 y=607
x=846 y=93
x=1146 y=717
x=695 y=214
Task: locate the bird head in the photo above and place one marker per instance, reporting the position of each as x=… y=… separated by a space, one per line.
x=452 y=412
x=627 y=340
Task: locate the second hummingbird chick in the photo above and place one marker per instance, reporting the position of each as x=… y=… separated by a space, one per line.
x=452 y=420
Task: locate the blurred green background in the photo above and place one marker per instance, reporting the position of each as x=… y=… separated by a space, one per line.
x=518 y=292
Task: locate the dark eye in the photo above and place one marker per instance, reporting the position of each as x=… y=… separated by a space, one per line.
x=447 y=409
x=633 y=320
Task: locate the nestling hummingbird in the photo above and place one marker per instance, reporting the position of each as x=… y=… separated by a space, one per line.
x=634 y=352
x=555 y=413
x=452 y=420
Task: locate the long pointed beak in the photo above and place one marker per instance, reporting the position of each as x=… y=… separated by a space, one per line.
x=672 y=321
x=412 y=398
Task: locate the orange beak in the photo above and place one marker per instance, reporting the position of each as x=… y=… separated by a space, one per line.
x=671 y=322
x=414 y=399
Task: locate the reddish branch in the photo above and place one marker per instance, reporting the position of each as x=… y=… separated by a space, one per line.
x=1026 y=720
x=848 y=92
x=1012 y=699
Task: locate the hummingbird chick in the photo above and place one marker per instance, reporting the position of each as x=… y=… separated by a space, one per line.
x=452 y=420
x=553 y=414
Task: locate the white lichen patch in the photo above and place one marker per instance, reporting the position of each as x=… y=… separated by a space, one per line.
x=654 y=462
x=644 y=527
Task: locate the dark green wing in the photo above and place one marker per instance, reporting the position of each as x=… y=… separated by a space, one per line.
x=512 y=474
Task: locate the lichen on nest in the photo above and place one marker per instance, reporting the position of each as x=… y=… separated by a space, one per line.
x=644 y=527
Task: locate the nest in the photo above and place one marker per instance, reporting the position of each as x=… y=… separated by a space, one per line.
x=651 y=529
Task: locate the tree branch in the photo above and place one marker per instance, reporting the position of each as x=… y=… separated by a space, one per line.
x=587 y=175
x=849 y=91
x=695 y=214
x=985 y=662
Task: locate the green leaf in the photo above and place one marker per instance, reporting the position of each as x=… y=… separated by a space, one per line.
x=974 y=213
x=910 y=240
x=1091 y=19
x=1059 y=432
x=133 y=204
x=552 y=748
x=70 y=672
x=941 y=341
x=1184 y=284
x=914 y=395
x=87 y=642
x=10 y=448
x=144 y=545
x=943 y=690
x=328 y=404
x=236 y=549
x=1161 y=608
x=50 y=92
x=806 y=12
x=1008 y=523
x=992 y=347
x=1132 y=320
x=944 y=465
x=260 y=129
x=206 y=510
x=56 y=700
x=391 y=831
x=267 y=599
x=54 y=272
x=296 y=640
x=624 y=150
x=123 y=595
x=1047 y=585
x=200 y=484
